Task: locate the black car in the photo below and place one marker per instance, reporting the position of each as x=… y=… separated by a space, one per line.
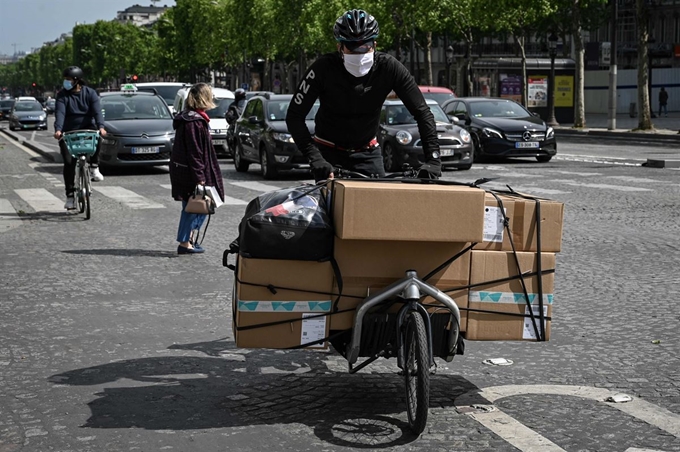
x=261 y=136
x=5 y=107
x=399 y=138
x=503 y=128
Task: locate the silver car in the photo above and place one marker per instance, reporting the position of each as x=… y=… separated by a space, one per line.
x=28 y=114
x=139 y=129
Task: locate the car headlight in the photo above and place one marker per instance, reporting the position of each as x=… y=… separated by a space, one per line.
x=285 y=137
x=108 y=141
x=43 y=117
x=465 y=136
x=549 y=133
x=492 y=133
x=403 y=137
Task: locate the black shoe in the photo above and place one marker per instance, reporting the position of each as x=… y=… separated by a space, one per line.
x=184 y=250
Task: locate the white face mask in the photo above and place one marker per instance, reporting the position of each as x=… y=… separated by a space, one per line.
x=358 y=64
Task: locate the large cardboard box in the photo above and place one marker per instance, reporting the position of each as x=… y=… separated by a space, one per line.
x=367 y=266
x=407 y=211
x=293 y=295
x=524 y=228
x=496 y=235
x=507 y=296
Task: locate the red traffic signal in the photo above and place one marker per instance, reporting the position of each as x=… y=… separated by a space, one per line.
x=33 y=84
x=134 y=78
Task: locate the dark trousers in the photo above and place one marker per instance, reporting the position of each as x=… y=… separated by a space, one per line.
x=70 y=165
x=365 y=162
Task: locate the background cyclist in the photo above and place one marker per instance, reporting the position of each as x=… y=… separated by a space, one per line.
x=77 y=107
x=351 y=85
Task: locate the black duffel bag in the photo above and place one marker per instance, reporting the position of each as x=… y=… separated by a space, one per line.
x=291 y=223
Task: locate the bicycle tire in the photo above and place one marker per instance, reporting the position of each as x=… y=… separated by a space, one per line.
x=81 y=189
x=416 y=372
x=88 y=191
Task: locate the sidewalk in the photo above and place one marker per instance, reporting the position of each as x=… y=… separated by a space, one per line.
x=665 y=128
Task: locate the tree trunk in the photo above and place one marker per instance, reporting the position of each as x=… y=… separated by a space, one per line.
x=428 y=58
x=644 y=112
x=469 y=89
x=525 y=89
x=579 y=53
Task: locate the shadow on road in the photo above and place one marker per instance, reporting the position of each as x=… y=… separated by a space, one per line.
x=253 y=387
x=131 y=252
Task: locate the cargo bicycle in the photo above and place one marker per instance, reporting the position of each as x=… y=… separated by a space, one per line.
x=81 y=145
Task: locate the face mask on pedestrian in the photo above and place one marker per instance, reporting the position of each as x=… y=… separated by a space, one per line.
x=358 y=64
x=68 y=85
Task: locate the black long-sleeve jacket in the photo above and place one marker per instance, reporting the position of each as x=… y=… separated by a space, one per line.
x=349 y=113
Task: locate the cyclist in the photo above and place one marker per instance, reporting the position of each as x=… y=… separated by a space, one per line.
x=352 y=85
x=77 y=108
x=233 y=112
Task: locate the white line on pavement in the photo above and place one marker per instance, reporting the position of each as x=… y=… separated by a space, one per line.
x=255 y=186
x=49 y=177
x=635 y=449
x=642 y=180
x=41 y=200
x=128 y=198
x=514 y=432
x=8 y=216
x=603 y=186
x=575 y=173
x=228 y=200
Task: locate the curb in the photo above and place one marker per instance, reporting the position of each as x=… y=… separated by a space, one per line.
x=49 y=154
x=619 y=135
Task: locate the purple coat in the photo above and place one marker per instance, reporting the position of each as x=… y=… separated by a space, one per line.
x=193 y=157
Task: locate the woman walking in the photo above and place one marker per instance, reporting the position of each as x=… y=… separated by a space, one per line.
x=193 y=162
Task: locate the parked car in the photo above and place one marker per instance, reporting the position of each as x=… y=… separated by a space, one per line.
x=5 y=108
x=167 y=90
x=50 y=105
x=503 y=128
x=28 y=114
x=250 y=94
x=400 y=141
x=218 y=121
x=139 y=129
x=437 y=93
x=262 y=136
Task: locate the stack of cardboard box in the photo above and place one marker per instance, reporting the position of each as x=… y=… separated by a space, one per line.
x=384 y=229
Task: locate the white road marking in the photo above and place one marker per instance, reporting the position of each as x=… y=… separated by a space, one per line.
x=527 y=440
x=641 y=180
x=602 y=186
x=127 y=197
x=575 y=173
x=49 y=177
x=9 y=219
x=228 y=199
x=635 y=449
x=255 y=186
x=41 y=200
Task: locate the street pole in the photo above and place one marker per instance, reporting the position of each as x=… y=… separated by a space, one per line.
x=611 y=120
x=552 y=43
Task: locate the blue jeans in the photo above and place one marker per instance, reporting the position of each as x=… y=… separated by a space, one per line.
x=188 y=222
x=663 y=108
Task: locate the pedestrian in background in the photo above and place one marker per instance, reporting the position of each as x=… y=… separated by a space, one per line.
x=663 y=101
x=193 y=163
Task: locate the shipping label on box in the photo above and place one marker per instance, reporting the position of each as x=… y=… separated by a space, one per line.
x=498 y=308
x=496 y=234
x=407 y=212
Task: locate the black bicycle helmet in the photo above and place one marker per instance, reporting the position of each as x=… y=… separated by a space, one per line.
x=74 y=72
x=356 y=25
x=240 y=93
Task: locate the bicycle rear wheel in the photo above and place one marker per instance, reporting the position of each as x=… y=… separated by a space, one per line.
x=416 y=372
x=81 y=189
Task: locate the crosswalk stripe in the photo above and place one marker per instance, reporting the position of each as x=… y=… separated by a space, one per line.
x=601 y=186
x=228 y=200
x=40 y=199
x=255 y=186
x=127 y=197
x=8 y=216
x=573 y=173
x=642 y=180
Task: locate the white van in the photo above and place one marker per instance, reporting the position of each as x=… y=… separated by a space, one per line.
x=218 y=123
x=167 y=90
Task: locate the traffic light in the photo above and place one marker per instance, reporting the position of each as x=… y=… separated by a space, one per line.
x=134 y=78
x=33 y=84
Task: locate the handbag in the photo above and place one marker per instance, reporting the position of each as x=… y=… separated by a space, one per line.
x=200 y=203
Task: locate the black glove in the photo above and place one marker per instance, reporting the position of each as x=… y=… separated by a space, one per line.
x=321 y=169
x=432 y=169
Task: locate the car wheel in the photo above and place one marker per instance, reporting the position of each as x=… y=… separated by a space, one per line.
x=544 y=158
x=240 y=165
x=389 y=158
x=477 y=149
x=267 y=168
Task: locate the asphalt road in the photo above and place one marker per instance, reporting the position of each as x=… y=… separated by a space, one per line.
x=110 y=341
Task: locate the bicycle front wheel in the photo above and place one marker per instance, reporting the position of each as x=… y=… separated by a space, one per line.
x=87 y=191
x=416 y=372
x=81 y=189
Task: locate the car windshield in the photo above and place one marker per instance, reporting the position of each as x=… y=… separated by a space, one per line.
x=6 y=103
x=399 y=115
x=221 y=110
x=497 y=109
x=51 y=102
x=440 y=98
x=277 y=109
x=439 y=115
x=27 y=106
x=167 y=92
x=134 y=107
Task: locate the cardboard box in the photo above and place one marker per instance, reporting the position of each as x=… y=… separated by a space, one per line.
x=507 y=296
x=300 y=299
x=496 y=235
x=367 y=266
x=408 y=212
x=524 y=230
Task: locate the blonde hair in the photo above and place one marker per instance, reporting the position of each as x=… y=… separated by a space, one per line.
x=200 y=97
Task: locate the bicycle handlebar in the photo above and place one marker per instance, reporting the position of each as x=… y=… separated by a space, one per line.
x=341 y=173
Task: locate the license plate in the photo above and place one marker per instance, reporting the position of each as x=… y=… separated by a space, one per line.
x=219 y=142
x=446 y=152
x=146 y=150
x=527 y=144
